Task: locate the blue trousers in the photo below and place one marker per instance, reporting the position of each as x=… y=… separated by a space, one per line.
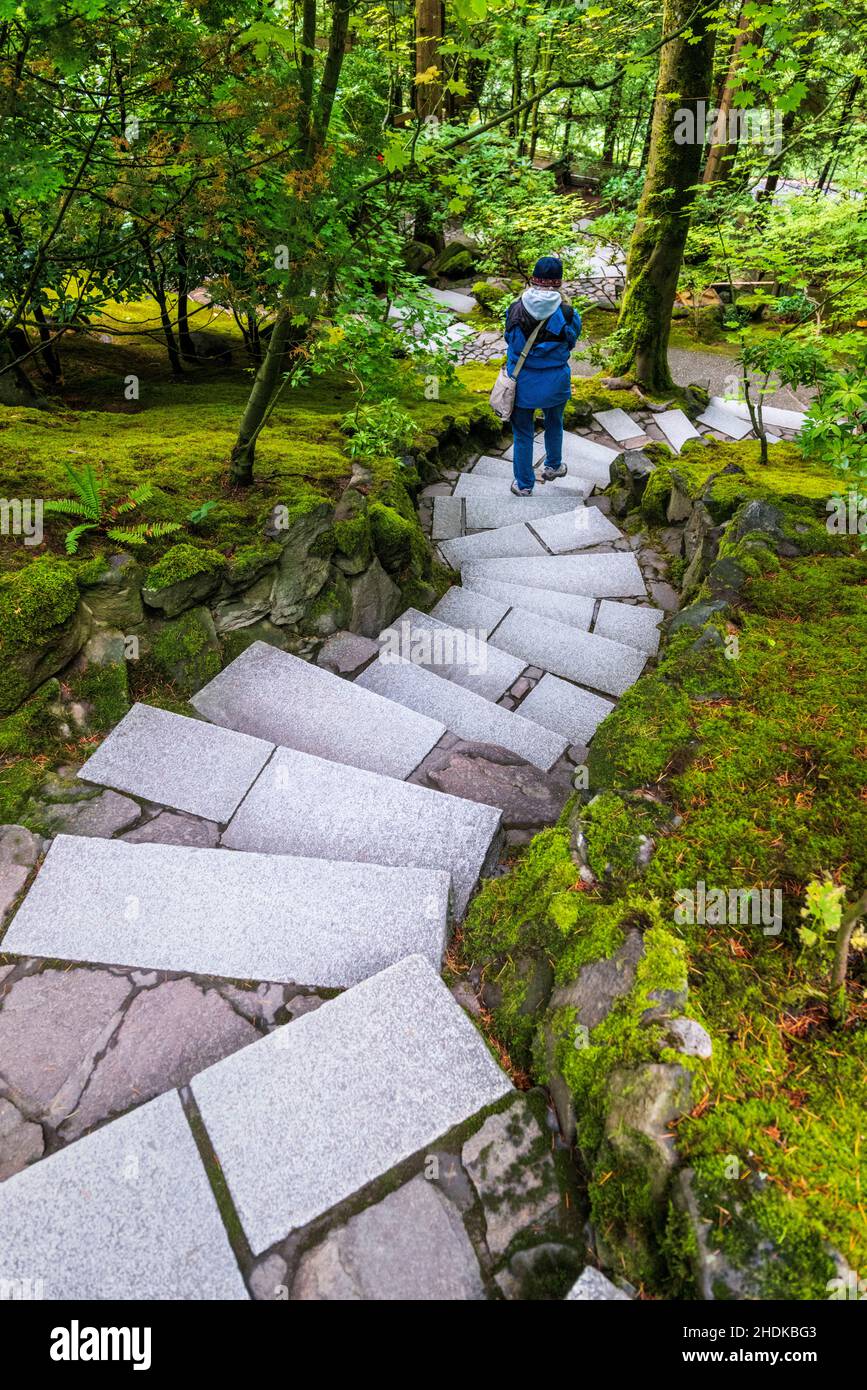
x=522 y=428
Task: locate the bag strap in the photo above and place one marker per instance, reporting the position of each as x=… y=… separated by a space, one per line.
x=529 y=345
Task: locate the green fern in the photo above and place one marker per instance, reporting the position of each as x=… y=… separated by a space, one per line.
x=144 y=532
x=74 y=536
x=68 y=506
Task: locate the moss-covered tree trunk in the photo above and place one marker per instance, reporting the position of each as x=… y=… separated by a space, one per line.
x=656 y=249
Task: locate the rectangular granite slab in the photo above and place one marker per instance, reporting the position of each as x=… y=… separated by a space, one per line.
x=327 y=1104
x=186 y=764
x=276 y=696
x=458 y=652
x=614 y=575
x=238 y=916
x=630 y=623
x=676 y=427
x=567 y=651
x=127 y=1213
x=574 y=609
x=565 y=708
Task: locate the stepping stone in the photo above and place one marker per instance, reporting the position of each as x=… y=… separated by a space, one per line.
x=676 y=427
x=573 y=609
x=538 y=449
x=448 y=518
x=576 y=530
x=618 y=424
x=237 y=916
x=485 y=510
x=716 y=417
x=375 y=1256
x=567 y=651
x=324 y=1106
x=588 y=459
x=464 y=713
x=623 y=622
x=450 y=299
x=614 y=575
x=457 y=652
x=125 y=1213
x=496 y=475
x=463 y=608
x=565 y=708
x=182 y=763
x=307 y=806
x=594 y=1287
x=771 y=414
x=276 y=696
x=506 y=540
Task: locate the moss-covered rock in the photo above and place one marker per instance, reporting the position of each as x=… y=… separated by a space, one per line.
x=307 y=543
x=111 y=589
x=331 y=609
x=185 y=576
x=42 y=625
x=186 y=651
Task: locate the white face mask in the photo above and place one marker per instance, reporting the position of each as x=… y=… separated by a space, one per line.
x=539 y=302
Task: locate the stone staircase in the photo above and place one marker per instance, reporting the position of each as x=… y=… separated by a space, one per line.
x=333 y=867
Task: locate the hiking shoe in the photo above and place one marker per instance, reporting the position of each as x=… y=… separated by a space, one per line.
x=522 y=491
x=549 y=473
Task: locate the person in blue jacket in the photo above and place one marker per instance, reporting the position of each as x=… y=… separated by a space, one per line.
x=545 y=380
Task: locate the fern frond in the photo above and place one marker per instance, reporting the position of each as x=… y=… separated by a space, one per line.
x=136 y=498
x=74 y=536
x=144 y=532
x=67 y=506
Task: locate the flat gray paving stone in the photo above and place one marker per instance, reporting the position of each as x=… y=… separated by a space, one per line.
x=276 y=696
x=457 y=652
x=125 y=1213
x=589 y=459
x=567 y=651
x=464 y=713
x=451 y=299
x=462 y=608
x=573 y=609
x=771 y=414
x=506 y=540
x=307 y=806
x=538 y=449
x=718 y=418
x=618 y=424
x=614 y=575
x=448 y=518
x=375 y=1257
x=625 y=622
x=576 y=530
x=182 y=763
x=502 y=471
x=238 y=916
x=676 y=427
x=565 y=708
x=485 y=511
x=332 y=1101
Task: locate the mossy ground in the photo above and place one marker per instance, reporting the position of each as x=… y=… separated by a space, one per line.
x=758 y=768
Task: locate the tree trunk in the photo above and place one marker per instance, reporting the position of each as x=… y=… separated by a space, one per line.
x=612 y=119
x=517 y=86
x=187 y=346
x=256 y=410
x=723 y=149
x=656 y=249
x=428 y=33
x=842 y=124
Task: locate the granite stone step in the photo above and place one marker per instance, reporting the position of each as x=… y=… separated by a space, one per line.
x=582 y=456
x=515 y=540
x=716 y=417
x=486 y=511
x=448 y=518
x=579 y=656
x=461 y=607
x=183 y=763
x=618 y=424
x=323 y=1107
x=576 y=530
x=629 y=623
x=458 y=652
x=238 y=916
x=278 y=697
x=676 y=427
x=464 y=713
x=565 y=709
x=771 y=414
x=307 y=806
x=127 y=1212
x=573 y=609
x=502 y=471
x=450 y=299
x=614 y=575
